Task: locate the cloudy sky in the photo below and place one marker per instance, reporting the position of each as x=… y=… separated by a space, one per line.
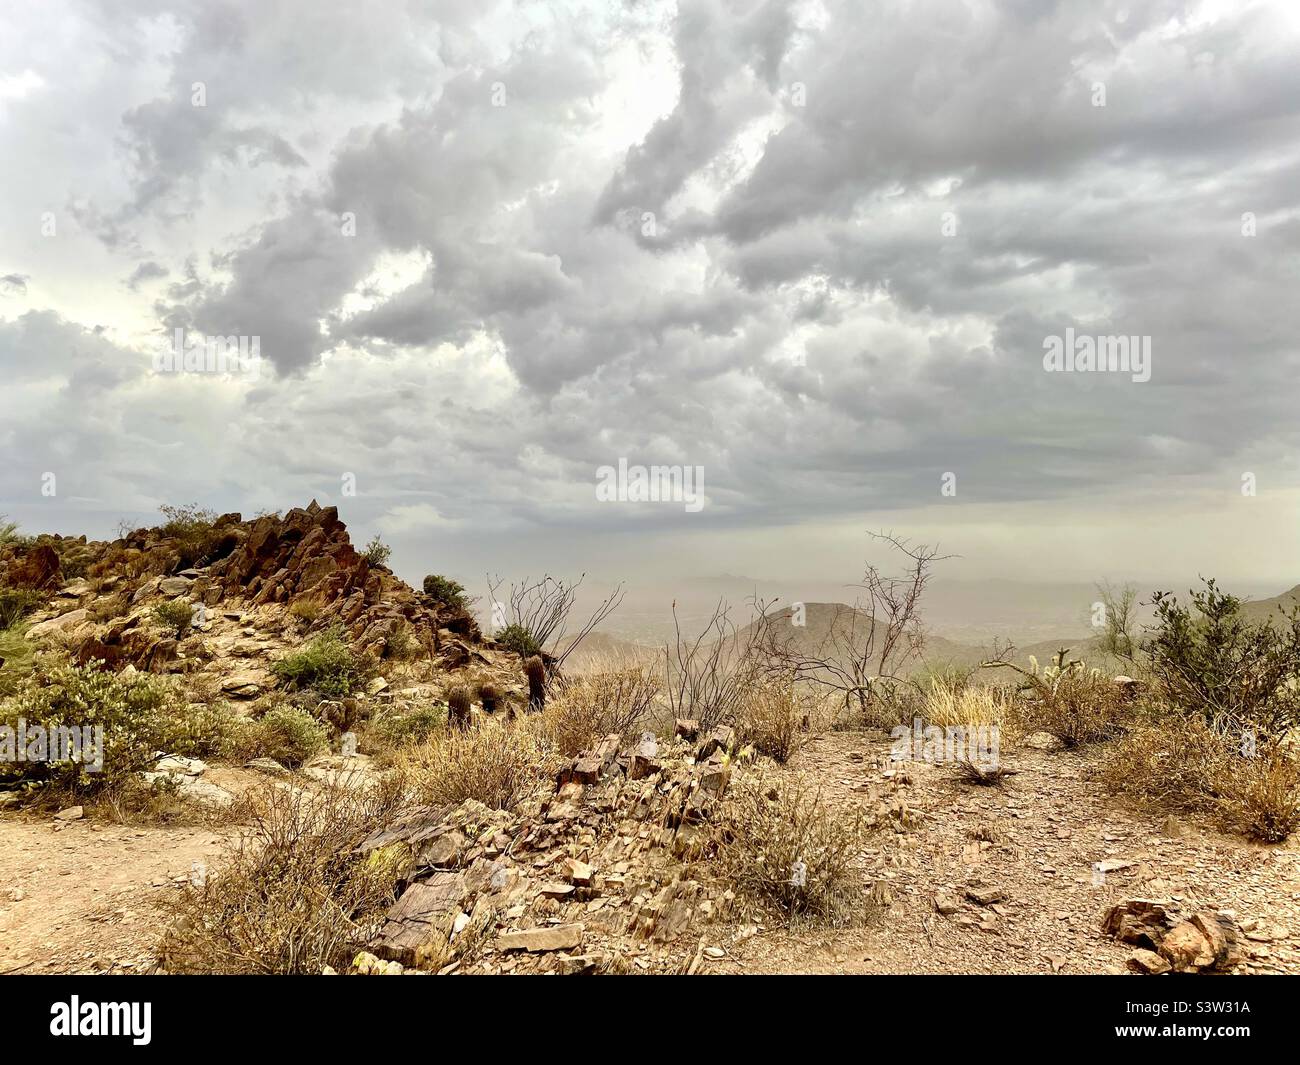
x=814 y=248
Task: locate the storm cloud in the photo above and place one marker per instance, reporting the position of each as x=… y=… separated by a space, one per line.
x=813 y=247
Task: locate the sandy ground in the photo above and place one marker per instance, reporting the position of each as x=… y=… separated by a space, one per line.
x=1049 y=824
x=82 y=897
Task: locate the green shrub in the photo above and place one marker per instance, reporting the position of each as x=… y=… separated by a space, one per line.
x=445 y=591
x=328 y=665
x=412 y=726
x=286 y=733
x=517 y=638
x=1208 y=659
x=195 y=529
x=174 y=616
x=140 y=715
x=401 y=643
x=377 y=553
x=15 y=604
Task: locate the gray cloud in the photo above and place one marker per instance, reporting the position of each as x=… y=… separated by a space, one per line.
x=867 y=218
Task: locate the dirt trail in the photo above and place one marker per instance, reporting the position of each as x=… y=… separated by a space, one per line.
x=1048 y=826
x=81 y=897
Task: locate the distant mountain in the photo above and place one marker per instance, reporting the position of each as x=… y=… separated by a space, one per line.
x=1267 y=609
x=823 y=620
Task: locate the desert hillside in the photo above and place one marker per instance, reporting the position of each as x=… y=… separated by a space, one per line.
x=284 y=721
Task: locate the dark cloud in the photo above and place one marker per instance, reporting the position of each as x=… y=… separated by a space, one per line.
x=866 y=219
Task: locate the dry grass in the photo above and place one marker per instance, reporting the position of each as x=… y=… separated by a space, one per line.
x=306 y=608
x=497 y=762
x=588 y=707
x=775 y=718
x=1181 y=763
x=952 y=701
x=293 y=896
x=771 y=822
x=1076 y=704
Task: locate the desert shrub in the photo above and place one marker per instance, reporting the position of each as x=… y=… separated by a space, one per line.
x=445 y=591
x=8 y=531
x=306 y=608
x=587 y=707
x=499 y=763
x=769 y=825
x=891 y=703
x=395 y=729
x=1177 y=761
x=294 y=895
x=517 y=638
x=109 y=607
x=328 y=664
x=140 y=715
x=16 y=604
x=1259 y=797
x=173 y=617
x=1208 y=659
x=194 y=529
x=1076 y=704
x=400 y=644
x=773 y=719
x=287 y=733
x=376 y=552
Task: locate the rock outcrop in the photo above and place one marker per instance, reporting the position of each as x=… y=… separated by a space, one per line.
x=274 y=562
x=592 y=876
x=1172 y=940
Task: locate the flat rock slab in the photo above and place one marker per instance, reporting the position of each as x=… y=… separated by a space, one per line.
x=540 y=940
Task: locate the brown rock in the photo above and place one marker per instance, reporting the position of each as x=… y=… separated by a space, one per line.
x=542 y=940
x=985 y=894
x=1185 y=948
x=946 y=903
x=1147 y=961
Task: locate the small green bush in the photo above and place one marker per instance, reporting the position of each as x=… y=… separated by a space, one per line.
x=412 y=726
x=286 y=733
x=18 y=654
x=140 y=716
x=377 y=553
x=445 y=591
x=195 y=529
x=328 y=665
x=173 y=617
x=517 y=638
x=1210 y=660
